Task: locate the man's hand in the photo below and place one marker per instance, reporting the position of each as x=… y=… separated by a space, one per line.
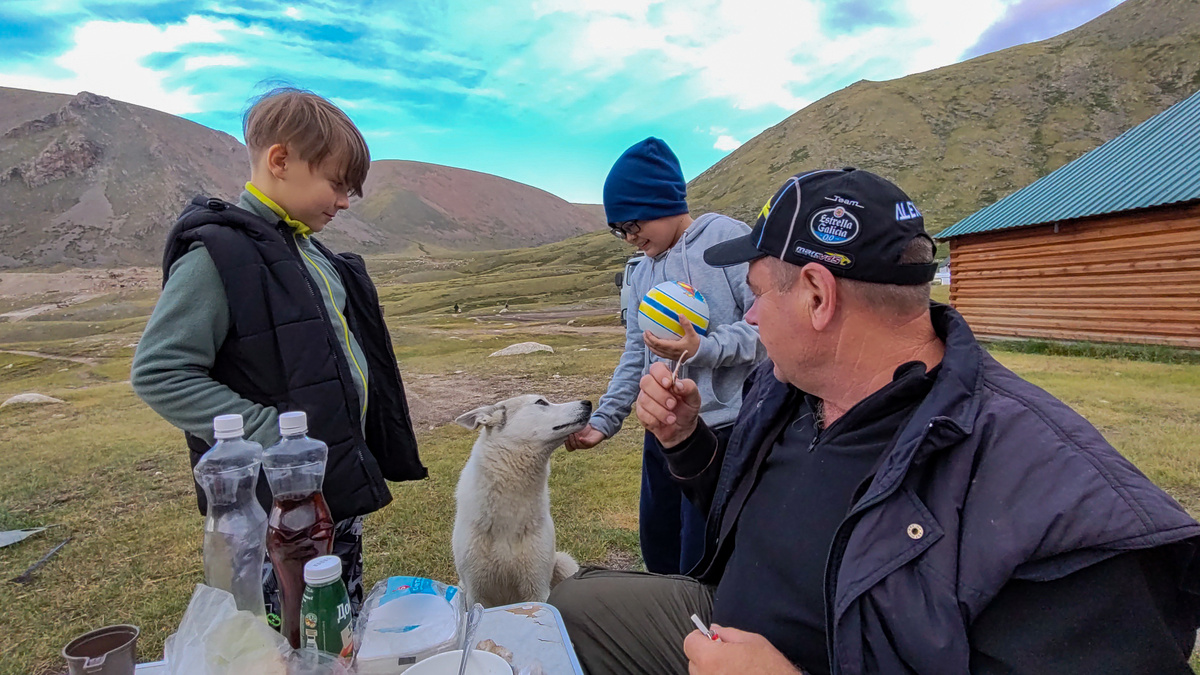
x=687 y=345
x=668 y=408
x=587 y=437
x=737 y=652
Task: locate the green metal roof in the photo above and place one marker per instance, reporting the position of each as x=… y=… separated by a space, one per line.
x=1155 y=163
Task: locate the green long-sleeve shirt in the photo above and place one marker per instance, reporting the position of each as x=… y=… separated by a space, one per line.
x=172 y=365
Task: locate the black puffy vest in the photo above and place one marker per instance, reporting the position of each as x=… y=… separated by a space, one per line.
x=281 y=351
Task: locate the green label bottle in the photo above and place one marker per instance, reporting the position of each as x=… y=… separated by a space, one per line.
x=325 y=608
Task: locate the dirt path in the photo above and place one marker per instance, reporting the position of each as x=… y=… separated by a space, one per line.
x=22 y=314
x=548 y=315
x=40 y=355
x=435 y=399
x=77 y=281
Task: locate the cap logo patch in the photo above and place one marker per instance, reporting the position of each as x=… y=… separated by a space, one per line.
x=829 y=258
x=906 y=211
x=838 y=199
x=834 y=226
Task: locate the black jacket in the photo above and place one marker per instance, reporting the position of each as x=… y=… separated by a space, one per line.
x=281 y=351
x=991 y=481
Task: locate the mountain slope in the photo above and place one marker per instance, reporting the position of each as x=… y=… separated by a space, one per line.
x=958 y=138
x=91 y=181
x=444 y=207
x=596 y=211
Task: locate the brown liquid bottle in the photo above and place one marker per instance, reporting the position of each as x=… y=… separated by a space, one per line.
x=299 y=527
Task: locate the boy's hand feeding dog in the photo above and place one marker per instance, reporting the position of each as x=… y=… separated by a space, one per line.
x=503 y=535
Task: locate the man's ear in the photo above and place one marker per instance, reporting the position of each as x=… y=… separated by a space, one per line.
x=491 y=416
x=820 y=286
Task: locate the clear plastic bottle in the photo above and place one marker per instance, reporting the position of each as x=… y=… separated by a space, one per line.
x=299 y=527
x=236 y=526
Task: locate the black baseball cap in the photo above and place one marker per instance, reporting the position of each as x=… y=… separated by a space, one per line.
x=853 y=222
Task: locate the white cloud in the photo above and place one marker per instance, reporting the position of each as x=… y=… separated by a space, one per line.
x=216 y=60
x=663 y=55
x=108 y=59
x=727 y=143
x=610 y=63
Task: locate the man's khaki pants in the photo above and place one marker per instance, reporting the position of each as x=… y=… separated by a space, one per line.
x=631 y=622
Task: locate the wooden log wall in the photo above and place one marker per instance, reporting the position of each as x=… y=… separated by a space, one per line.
x=1131 y=277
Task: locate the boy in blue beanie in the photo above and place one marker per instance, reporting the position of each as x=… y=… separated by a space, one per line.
x=645 y=202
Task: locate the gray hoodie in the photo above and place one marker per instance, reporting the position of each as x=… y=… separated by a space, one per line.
x=727 y=353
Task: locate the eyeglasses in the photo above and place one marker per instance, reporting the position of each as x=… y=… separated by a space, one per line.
x=624 y=229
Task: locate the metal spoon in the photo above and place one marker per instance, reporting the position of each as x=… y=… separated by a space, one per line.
x=472 y=623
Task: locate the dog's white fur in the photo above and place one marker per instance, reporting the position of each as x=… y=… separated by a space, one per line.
x=503 y=535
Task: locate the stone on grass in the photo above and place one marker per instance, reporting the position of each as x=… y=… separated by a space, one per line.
x=31 y=399
x=523 y=348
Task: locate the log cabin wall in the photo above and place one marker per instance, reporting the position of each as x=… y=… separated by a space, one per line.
x=1130 y=277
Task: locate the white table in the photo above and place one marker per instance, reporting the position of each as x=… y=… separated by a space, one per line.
x=533 y=631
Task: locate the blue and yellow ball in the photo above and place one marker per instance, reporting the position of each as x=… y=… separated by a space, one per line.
x=661 y=307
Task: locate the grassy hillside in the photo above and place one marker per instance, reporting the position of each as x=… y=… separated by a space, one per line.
x=958 y=138
x=577 y=271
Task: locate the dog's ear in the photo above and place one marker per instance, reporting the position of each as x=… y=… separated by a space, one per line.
x=484 y=416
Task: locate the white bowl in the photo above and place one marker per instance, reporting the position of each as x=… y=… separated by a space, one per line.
x=446 y=663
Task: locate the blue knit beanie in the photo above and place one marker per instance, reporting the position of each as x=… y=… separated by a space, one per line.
x=645 y=183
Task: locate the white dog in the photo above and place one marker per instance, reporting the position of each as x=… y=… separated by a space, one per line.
x=503 y=535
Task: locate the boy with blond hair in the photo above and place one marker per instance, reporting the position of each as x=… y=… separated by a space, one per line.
x=257 y=317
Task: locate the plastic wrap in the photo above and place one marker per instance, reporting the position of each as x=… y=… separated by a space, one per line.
x=404 y=620
x=215 y=638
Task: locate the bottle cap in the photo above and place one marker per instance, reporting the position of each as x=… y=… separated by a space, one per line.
x=293 y=423
x=227 y=426
x=322 y=570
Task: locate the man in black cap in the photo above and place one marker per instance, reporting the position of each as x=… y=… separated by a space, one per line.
x=891 y=499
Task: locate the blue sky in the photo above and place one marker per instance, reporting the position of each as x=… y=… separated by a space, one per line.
x=545 y=92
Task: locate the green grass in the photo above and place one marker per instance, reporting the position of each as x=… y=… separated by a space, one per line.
x=1095 y=350
x=106 y=471
x=940 y=293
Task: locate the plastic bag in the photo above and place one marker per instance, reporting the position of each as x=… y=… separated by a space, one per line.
x=404 y=620
x=312 y=662
x=214 y=638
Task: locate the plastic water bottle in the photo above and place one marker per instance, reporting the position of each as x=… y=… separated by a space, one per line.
x=325 y=607
x=299 y=527
x=235 y=528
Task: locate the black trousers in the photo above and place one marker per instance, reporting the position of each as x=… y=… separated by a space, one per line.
x=670 y=526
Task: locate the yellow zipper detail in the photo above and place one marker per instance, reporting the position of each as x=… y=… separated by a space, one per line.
x=296 y=225
x=345 y=327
